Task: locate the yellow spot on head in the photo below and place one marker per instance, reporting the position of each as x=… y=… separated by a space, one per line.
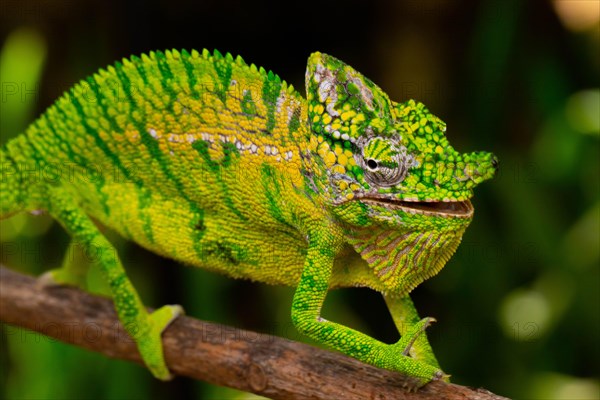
x=347 y=115
x=324 y=146
x=377 y=123
x=338 y=169
x=411 y=180
x=358 y=118
x=330 y=159
x=312 y=144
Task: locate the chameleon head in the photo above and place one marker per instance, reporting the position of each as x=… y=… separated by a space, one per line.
x=386 y=155
x=386 y=166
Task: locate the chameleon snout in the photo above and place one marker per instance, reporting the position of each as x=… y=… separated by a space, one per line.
x=485 y=166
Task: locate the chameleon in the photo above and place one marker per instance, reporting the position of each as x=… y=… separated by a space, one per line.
x=218 y=164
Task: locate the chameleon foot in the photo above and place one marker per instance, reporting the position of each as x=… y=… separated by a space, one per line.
x=58 y=276
x=414 y=367
x=73 y=271
x=421 y=372
x=150 y=343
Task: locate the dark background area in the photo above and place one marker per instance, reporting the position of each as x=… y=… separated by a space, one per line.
x=518 y=305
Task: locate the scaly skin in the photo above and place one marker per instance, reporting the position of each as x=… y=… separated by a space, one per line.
x=221 y=165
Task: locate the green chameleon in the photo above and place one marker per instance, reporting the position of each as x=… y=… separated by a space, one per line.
x=221 y=165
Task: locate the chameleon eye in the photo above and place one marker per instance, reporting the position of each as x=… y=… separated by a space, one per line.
x=382 y=161
x=383 y=176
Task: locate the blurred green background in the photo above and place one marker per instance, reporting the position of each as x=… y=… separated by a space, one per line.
x=518 y=305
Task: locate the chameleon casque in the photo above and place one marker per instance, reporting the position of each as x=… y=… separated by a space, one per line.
x=221 y=165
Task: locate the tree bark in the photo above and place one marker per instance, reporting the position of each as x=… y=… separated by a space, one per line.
x=266 y=365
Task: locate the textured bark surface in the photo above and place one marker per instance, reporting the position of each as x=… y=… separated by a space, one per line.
x=266 y=365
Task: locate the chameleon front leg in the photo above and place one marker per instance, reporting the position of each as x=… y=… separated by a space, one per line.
x=306 y=307
x=145 y=328
x=406 y=318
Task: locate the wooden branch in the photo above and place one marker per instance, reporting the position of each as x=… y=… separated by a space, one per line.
x=249 y=361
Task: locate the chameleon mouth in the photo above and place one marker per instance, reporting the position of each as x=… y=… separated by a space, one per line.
x=461 y=209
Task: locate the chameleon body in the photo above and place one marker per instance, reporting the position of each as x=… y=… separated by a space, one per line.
x=222 y=165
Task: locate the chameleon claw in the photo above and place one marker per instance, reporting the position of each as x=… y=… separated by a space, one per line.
x=442 y=376
x=414 y=385
x=47 y=279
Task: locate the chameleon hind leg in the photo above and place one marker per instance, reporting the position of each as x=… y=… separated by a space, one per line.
x=144 y=327
x=306 y=307
x=406 y=319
